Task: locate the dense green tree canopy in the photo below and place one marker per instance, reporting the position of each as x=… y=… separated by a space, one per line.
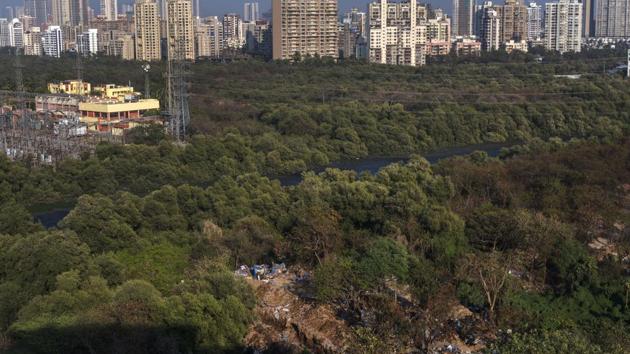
x=144 y=260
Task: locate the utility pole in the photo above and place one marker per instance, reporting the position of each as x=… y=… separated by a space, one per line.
x=628 y=74
x=147 y=81
x=18 y=143
x=79 y=67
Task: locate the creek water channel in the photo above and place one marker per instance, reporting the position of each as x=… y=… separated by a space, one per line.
x=51 y=218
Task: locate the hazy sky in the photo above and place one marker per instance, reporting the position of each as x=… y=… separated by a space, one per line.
x=220 y=7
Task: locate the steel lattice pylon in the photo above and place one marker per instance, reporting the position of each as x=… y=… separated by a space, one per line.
x=178 y=107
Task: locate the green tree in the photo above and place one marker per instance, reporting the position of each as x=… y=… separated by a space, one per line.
x=98 y=224
x=33 y=262
x=549 y=342
x=252 y=240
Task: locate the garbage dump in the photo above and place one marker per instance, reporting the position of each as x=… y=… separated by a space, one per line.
x=261 y=272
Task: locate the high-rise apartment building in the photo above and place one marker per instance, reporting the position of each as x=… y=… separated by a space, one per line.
x=163 y=8
x=11 y=33
x=38 y=9
x=118 y=44
x=478 y=17
x=61 y=15
x=259 y=40
x=79 y=14
x=123 y=24
x=563 y=26
x=202 y=40
x=215 y=34
x=109 y=9
x=52 y=42
x=396 y=33
x=125 y=46
x=490 y=29
x=181 y=30
x=357 y=21
x=16 y=34
x=147 y=30
x=197 y=10
x=612 y=18
x=463 y=17
x=439 y=29
x=27 y=22
x=233 y=34
x=438 y=34
x=588 y=15
x=305 y=27
x=513 y=21
x=347 y=41
x=33 y=42
x=87 y=42
x=70 y=35
x=534 y=22
x=352 y=33
x=251 y=12
x=4 y=33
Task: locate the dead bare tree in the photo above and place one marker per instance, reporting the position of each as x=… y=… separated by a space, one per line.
x=492 y=271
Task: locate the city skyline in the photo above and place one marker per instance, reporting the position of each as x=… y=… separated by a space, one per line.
x=221 y=7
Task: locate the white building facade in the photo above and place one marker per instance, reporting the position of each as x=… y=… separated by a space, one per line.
x=109 y=9
x=87 y=42
x=396 y=34
x=563 y=26
x=52 y=42
x=534 y=21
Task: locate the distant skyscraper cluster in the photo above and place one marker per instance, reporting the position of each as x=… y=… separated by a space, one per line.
x=109 y=9
x=463 y=16
x=399 y=32
x=251 y=12
x=514 y=25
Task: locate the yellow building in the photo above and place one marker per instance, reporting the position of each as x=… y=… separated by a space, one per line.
x=111 y=115
x=120 y=93
x=70 y=87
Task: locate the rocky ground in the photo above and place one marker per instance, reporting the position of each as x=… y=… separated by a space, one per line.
x=288 y=321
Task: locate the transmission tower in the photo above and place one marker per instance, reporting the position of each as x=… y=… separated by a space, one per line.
x=20 y=130
x=178 y=108
x=19 y=80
